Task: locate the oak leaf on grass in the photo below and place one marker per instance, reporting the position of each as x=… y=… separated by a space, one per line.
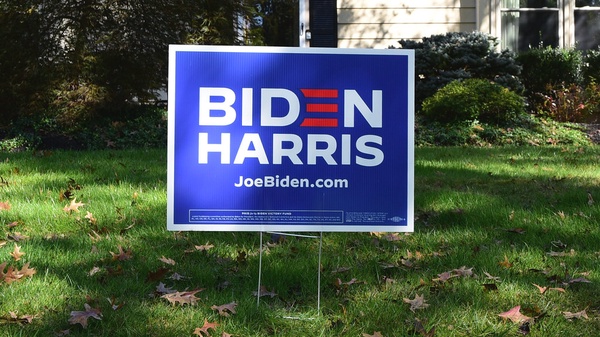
x=166 y=260
x=375 y=334
x=575 y=315
x=122 y=255
x=183 y=297
x=4 y=206
x=16 y=253
x=81 y=317
x=73 y=206
x=203 y=331
x=515 y=315
x=225 y=309
x=417 y=303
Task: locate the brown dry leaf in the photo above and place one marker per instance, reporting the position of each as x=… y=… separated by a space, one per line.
x=81 y=317
x=264 y=292
x=375 y=334
x=184 y=297
x=575 y=315
x=225 y=309
x=26 y=271
x=515 y=315
x=517 y=230
x=445 y=276
x=12 y=224
x=157 y=275
x=121 y=255
x=419 y=328
x=561 y=254
x=417 y=303
x=464 y=272
x=16 y=253
x=114 y=305
x=204 y=247
x=73 y=206
x=491 y=277
x=203 y=331
x=4 y=206
x=17 y=236
x=167 y=260
x=543 y=290
x=90 y=217
x=505 y=263
x=2 y=243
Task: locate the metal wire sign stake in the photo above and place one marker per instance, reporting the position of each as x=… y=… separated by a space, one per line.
x=320 y=237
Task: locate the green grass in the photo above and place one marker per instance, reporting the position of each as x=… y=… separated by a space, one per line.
x=475 y=207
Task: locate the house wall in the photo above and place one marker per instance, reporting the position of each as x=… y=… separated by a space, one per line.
x=381 y=23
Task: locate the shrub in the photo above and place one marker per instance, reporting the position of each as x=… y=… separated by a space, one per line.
x=570 y=103
x=473 y=99
x=549 y=66
x=591 y=67
x=441 y=59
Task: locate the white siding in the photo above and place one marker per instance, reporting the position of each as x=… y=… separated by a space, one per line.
x=381 y=23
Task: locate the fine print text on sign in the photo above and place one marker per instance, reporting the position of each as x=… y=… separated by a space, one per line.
x=290 y=139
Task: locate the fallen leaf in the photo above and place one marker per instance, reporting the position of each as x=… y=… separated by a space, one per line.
x=16 y=253
x=81 y=317
x=91 y=218
x=114 y=305
x=167 y=260
x=184 y=297
x=515 y=315
x=491 y=277
x=177 y=277
x=505 y=263
x=263 y=291
x=4 y=206
x=204 y=247
x=375 y=334
x=121 y=255
x=203 y=331
x=95 y=270
x=561 y=254
x=576 y=315
x=17 y=236
x=464 y=272
x=579 y=280
x=161 y=288
x=417 y=303
x=12 y=224
x=516 y=230
x=73 y=206
x=419 y=328
x=445 y=276
x=225 y=309
x=545 y=289
x=157 y=275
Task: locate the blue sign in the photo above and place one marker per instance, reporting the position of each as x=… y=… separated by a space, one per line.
x=290 y=139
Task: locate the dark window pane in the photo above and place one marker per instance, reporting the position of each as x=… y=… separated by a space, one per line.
x=538 y=28
x=587 y=29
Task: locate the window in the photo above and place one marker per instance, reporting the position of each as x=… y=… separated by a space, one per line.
x=556 y=23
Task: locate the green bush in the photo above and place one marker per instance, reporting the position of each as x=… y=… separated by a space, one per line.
x=543 y=67
x=441 y=59
x=473 y=99
x=591 y=67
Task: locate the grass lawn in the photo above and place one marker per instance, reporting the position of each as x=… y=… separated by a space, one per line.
x=497 y=229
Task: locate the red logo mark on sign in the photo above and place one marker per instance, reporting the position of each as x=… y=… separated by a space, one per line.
x=320 y=108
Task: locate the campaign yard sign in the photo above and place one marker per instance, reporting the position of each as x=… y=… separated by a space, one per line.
x=290 y=139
